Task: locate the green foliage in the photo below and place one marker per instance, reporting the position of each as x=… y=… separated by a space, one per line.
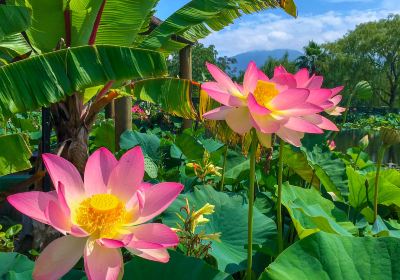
x=230 y=219
x=149 y=142
x=329 y=169
x=150 y=167
x=13 y=20
x=12 y=47
x=49 y=78
x=310 y=212
x=198 y=18
x=316 y=166
x=271 y=63
x=191 y=148
x=363 y=90
x=15 y=266
x=120 y=24
x=368 y=122
x=362 y=191
x=15 y=154
x=313 y=56
x=7 y=237
x=104 y=135
x=201 y=55
x=172 y=95
x=372 y=52
x=179 y=267
x=237 y=173
x=123 y=20
x=298 y=162
x=47 y=26
x=324 y=256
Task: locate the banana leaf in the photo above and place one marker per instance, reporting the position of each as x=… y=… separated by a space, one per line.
x=116 y=22
x=48 y=78
x=13 y=19
x=15 y=153
x=198 y=18
x=173 y=95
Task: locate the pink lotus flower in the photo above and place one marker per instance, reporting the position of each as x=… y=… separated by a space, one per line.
x=100 y=215
x=274 y=105
x=328 y=99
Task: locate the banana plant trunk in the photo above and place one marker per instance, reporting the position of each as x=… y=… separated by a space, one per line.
x=72 y=133
x=72 y=121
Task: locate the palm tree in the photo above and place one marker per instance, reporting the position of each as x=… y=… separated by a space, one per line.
x=313 y=54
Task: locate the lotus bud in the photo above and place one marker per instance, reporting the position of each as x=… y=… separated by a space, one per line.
x=390 y=136
x=364 y=142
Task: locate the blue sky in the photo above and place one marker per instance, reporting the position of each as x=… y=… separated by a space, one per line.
x=319 y=20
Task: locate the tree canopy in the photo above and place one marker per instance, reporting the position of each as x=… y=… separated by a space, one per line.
x=371 y=52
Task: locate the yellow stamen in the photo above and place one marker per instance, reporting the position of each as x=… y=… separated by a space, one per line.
x=102 y=215
x=104 y=202
x=265 y=92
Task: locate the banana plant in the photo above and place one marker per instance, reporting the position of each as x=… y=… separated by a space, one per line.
x=73 y=49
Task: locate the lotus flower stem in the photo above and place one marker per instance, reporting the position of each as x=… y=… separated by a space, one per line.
x=279 y=202
x=252 y=176
x=344 y=116
x=378 y=169
x=223 y=168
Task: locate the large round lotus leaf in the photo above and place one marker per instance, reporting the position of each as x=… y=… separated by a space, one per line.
x=310 y=212
x=326 y=256
x=15 y=266
x=179 y=267
x=230 y=219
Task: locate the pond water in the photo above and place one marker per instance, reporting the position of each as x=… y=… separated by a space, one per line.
x=349 y=138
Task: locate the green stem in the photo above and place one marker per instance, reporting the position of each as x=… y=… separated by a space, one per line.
x=279 y=202
x=223 y=169
x=358 y=156
x=312 y=178
x=344 y=116
x=252 y=154
x=378 y=169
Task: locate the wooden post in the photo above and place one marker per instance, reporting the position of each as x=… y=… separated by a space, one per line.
x=110 y=110
x=45 y=144
x=185 y=72
x=123 y=118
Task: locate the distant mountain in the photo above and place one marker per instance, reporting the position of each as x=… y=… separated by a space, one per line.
x=260 y=57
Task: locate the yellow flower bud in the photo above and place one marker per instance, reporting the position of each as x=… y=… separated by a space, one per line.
x=207 y=209
x=197 y=217
x=364 y=142
x=212 y=236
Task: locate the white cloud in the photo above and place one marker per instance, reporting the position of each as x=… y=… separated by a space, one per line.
x=266 y=31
